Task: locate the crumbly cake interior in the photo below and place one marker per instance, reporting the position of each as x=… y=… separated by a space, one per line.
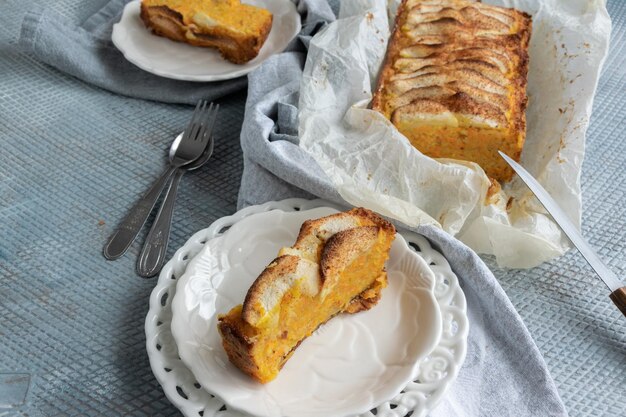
x=298 y=316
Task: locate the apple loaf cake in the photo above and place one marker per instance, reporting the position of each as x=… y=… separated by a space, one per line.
x=454 y=81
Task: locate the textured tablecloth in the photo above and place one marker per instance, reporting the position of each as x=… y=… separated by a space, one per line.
x=73 y=158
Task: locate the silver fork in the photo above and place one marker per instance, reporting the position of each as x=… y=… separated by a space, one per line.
x=153 y=253
x=184 y=151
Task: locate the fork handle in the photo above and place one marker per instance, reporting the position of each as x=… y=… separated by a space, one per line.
x=152 y=255
x=129 y=228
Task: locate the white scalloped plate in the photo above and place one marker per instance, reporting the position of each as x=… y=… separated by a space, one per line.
x=180 y=61
x=347 y=367
x=433 y=375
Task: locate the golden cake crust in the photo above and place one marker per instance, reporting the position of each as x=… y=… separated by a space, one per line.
x=462 y=67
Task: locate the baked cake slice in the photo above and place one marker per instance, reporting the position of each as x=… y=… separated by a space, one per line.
x=237 y=30
x=335 y=266
x=454 y=81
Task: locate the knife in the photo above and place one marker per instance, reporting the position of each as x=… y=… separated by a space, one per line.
x=618 y=290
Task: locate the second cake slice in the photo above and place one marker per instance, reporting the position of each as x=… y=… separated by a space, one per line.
x=237 y=30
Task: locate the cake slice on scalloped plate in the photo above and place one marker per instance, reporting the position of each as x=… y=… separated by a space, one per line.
x=337 y=265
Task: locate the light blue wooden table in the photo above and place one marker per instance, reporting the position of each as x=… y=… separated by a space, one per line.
x=74 y=157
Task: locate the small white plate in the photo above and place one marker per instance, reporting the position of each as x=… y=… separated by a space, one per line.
x=177 y=60
x=347 y=367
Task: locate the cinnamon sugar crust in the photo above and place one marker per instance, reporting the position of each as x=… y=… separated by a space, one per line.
x=454 y=80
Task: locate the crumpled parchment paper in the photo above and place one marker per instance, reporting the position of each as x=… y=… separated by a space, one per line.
x=372 y=164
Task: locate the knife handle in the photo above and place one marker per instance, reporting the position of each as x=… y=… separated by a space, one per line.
x=619 y=298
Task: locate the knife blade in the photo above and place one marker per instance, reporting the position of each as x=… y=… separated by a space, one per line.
x=618 y=290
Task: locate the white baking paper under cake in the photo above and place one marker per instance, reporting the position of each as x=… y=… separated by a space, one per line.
x=372 y=164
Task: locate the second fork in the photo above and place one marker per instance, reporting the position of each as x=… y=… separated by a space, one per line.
x=152 y=256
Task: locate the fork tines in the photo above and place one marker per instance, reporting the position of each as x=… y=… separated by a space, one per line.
x=202 y=117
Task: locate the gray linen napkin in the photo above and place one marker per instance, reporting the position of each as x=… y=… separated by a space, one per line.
x=86 y=52
x=504 y=373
